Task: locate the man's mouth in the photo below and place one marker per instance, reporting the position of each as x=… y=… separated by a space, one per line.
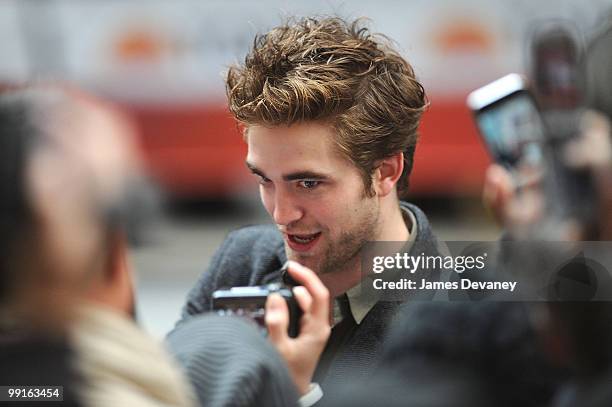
x=302 y=242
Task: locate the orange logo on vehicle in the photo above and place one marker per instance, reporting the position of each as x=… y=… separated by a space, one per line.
x=464 y=35
x=139 y=45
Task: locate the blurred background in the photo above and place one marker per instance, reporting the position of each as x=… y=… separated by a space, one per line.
x=163 y=63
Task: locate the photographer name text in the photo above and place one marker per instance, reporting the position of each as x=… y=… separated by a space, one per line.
x=463 y=284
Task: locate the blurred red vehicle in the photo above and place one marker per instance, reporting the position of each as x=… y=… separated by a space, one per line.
x=197 y=151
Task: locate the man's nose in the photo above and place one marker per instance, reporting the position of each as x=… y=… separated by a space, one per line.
x=286 y=209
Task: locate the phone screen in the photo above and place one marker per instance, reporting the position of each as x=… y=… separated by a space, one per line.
x=513 y=130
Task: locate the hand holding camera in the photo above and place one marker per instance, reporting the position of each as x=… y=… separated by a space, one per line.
x=302 y=352
x=295 y=314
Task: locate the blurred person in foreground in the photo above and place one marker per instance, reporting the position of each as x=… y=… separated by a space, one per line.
x=69 y=165
x=71 y=172
x=35 y=294
x=578 y=332
x=330 y=113
x=581 y=331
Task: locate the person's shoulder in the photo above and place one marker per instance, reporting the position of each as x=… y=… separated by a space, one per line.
x=257 y=249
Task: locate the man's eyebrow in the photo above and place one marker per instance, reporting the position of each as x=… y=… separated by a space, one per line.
x=254 y=169
x=294 y=176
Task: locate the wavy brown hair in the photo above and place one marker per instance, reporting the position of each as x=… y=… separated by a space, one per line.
x=331 y=71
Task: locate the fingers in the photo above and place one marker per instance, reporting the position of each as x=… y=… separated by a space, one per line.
x=525 y=209
x=303 y=298
x=592 y=149
x=303 y=352
x=277 y=318
x=498 y=191
x=319 y=293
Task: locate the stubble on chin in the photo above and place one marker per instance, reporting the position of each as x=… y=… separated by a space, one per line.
x=340 y=255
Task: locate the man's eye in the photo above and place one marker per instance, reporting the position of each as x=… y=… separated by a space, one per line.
x=309 y=184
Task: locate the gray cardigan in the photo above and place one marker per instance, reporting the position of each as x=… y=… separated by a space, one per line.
x=254 y=255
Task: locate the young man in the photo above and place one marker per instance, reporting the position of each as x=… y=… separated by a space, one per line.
x=330 y=114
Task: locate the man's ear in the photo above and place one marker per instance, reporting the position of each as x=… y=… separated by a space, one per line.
x=387 y=173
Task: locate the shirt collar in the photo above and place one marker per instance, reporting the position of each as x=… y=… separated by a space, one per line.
x=360 y=301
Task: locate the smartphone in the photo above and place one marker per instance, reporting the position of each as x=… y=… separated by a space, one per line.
x=509 y=122
x=519 y=137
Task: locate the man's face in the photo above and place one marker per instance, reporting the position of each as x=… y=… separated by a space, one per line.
x=315 y=196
